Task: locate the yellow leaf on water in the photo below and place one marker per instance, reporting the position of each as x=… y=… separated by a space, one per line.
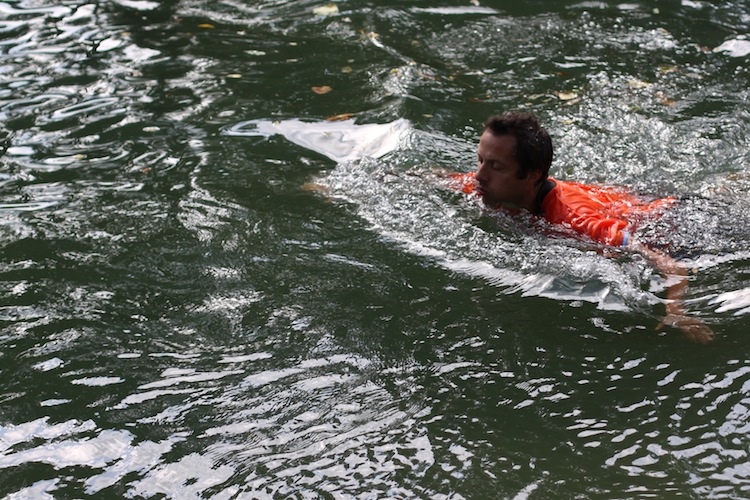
x=664 y=100
x=206 y=26
x=341 y=117
x=565 y=96
x=323 y=89
x=638 y=84
x=313 y=187
x=326 y=10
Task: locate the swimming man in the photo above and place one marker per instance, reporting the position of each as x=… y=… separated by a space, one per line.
x=515 y=155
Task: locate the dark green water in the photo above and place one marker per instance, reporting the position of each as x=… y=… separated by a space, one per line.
x=184 y=316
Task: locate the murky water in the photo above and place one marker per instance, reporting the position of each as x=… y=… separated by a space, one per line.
x=209 y=290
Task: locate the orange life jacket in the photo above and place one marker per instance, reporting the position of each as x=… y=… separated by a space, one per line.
x=605 y=214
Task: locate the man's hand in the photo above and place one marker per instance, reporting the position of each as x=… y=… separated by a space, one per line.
x=693 y=328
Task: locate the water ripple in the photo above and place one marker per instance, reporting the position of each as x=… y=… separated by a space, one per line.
x=181 y=318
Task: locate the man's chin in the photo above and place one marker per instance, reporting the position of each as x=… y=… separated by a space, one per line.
x=490 y=202
x=486 y=199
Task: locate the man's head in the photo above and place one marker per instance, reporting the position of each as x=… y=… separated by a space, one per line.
x=514 y=155
x=533 y=150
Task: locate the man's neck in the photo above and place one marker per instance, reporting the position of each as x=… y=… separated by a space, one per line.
x=544 y=189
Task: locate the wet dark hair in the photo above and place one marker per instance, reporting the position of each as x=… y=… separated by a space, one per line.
x=533 y=144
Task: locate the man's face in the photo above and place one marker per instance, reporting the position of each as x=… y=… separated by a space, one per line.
x=497 y=174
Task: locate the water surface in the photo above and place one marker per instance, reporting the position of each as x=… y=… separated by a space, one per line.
x=209 y=290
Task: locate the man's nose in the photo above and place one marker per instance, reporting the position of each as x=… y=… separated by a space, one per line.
x=480 y=173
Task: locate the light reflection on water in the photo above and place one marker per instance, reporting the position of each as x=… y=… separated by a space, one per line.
x=181 y=318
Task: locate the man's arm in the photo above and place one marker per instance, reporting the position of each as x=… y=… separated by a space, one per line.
x=693 y=328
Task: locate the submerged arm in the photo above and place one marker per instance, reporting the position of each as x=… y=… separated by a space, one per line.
x=693 y=328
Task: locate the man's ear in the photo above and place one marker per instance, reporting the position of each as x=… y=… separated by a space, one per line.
x=535 y=175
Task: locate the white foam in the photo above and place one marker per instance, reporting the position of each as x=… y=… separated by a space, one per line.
x=735 y=47
x=737 y=301
x=338 y=140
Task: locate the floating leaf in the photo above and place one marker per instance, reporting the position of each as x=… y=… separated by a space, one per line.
x=638 y=84
x=206 y=26
x=565 y=96
x=323 y=89
x=326 y=10
x=346 y=69
x=374 y=39
x=662 y=99
x=234 y=75
x=341 y=117
x=311 y=186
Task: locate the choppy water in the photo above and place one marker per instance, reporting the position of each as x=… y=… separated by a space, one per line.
x=207 y=292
